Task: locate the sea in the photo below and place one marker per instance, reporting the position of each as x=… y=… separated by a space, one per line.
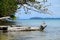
x=51 y=32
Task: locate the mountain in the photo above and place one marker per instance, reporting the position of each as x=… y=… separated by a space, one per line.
x=35 y=18
x=42 y=18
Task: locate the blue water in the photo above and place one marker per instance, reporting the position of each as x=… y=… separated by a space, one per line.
x=52 y=24
x=51 y=32
x=37 y=22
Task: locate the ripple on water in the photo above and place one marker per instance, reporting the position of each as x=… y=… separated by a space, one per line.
x=30 y=35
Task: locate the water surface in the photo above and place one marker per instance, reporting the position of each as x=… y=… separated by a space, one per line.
x=51 y=32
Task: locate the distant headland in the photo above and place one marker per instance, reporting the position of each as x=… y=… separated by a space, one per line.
x=42 y=18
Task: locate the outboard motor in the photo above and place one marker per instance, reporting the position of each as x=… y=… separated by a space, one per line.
x=42 y=27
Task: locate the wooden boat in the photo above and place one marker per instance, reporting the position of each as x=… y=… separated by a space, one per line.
x=23 y=28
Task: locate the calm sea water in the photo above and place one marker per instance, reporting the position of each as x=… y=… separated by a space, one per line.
x=51 y=32
x=38 y=22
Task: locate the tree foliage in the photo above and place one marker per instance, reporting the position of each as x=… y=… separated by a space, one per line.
x=7 y=7
x=34 y=5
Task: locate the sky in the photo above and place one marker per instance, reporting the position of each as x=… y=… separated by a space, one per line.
x=54 y=8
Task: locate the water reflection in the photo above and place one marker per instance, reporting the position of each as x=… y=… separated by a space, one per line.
x=29 y=35
x=3 y=36
x=6 y=22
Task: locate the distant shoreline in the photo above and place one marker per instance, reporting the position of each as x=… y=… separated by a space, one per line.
x=49 y=18
x=42 y=19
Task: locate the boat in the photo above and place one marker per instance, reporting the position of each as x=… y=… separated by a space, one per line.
x=23 y=28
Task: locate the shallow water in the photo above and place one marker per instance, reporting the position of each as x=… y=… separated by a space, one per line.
x=52 y=33
x=38 y=22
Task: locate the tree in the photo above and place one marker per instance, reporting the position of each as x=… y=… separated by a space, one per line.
x=7 y=7
x=34 y=5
